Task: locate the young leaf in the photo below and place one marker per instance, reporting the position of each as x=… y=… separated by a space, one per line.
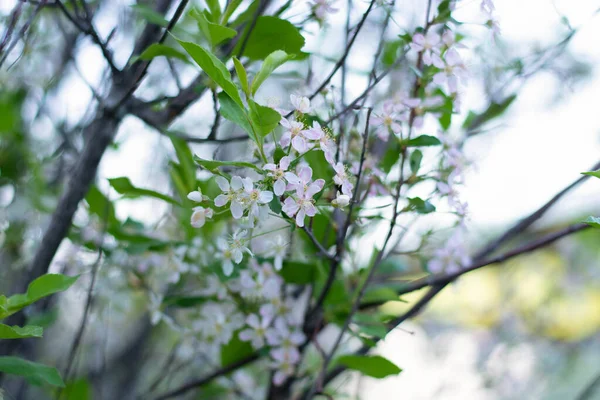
x=242 y=75
x=270 y=34
x=237 y=114
x=214 y=68
x=421 y=206
x=271 y=63
x=231 y=7
x=124 y=186
x=213 y=165
x=264 y=119
x=150 y=15
x=415 y=161
x=423 y=140
x=157 y=50
x=215 y=9
x=16 y=332
x=594 y=222
x=186 y=163
x=234 y=351
x=592 y=173
x=41 y=287
x=215 y=33
x=373 y=366
x=495 y=110
x=34 y=373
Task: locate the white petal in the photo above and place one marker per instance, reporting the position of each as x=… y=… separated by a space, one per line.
x=195 y=196
x=221 y=200
x=300 y=218
x=265 y=196
x=279 y=187
x=227 y=267
x=236 y=183
x=223 y=184
x=237 y=210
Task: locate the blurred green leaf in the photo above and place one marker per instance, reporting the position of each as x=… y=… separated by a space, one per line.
x=213 y=165
x=150 y=15
x=41 y=287
x=124 y=186
x=157 y=50
x=373 y=366
x=494 y=110
x=16 y=332
x=423 y=140
x=592 y=173
x=297 y=272
x=79 y=389
x=415 y=161
x=34 y=373
x=242 y=75
x=593 y=222
x=235 y=350
x=421 y=206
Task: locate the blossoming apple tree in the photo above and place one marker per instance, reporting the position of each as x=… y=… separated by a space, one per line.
x=265 y=263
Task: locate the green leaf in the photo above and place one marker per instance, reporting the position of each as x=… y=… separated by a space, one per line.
x=231 y=7
x=270 y=34
x=157 y=50
x=264 y=119
x=592 y=173
x=186 y=164
x=373 y=366
x=299 y=273
x=234 y=351
x=235 y=113
x=380 y=295
x=271 y=63
x=150 y=15
x=215 y=8
x=41 y=287
x=16 y=332
x=242 y=75
x=494 y=110
x=593 y=222
x=275 y=205
x=423 y=140
x=213 y=165
x=392 y=154
x=34 y=373
x=100 y=206
x=124 y=186
x=79 y=389
x=421 y=206
x=390 y=52
x=215 y=33
x=415 y=161
x=214 y=68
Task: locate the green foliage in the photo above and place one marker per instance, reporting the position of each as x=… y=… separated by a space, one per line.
x=271 y=63
x=214 y=33
x=150 y=15
x=124 y=186
x=157 y=50
x=215 y=9
x=41 y=287
x=423 y=140
x=186 y=164
x=34 y=373
x=100 y=206
x=415 y=161
x=593 y=222
x=380 y=294
x=16 y=332
x=237 y=114
x=79 y=389
x=299 y=273
x=271 y=34
x=264 y=119
x=421 y=206
x=392 y=154
x=235 y=350
x=214 y=68
x=213 y=165
x=242 y=75
x=592 y=173
x=495 y=110
x=373 y=366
